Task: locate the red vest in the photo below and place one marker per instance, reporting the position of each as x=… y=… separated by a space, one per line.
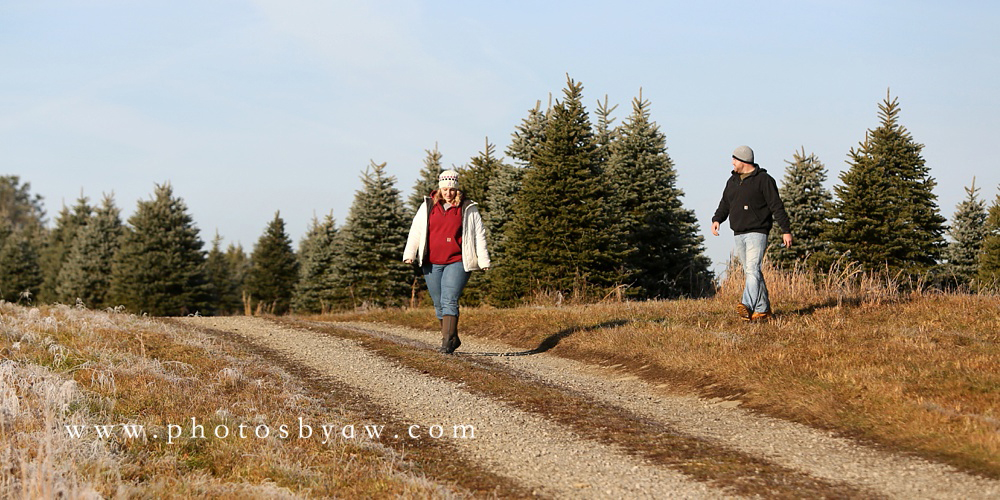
x=444 y=232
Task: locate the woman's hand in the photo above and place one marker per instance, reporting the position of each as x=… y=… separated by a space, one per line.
x=408 y=261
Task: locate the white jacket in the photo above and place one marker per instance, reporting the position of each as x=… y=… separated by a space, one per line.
x=474 y=254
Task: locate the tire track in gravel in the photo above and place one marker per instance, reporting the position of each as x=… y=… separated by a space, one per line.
x=432 y=458
x=818 y=453
x=600 y=422
x=536 y=453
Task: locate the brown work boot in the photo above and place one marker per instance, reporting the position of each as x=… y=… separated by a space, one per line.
x=445 y=333
x=743 y=311
x=451 y=342
x=761 y=317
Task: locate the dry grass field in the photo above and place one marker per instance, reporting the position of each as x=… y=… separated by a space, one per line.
x=890 y=363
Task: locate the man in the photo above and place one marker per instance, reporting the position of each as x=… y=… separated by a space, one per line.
x=752 y=205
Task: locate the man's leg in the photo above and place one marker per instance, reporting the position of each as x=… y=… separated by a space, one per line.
x=742 y=308
x=755 y=293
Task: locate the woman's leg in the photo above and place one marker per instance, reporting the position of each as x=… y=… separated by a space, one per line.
x=453 y=279
x=432 y=275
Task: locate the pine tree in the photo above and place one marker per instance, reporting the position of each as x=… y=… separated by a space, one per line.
x=239 y=264
x=475 y=181
x=274 y=269
x=160 y=268
x=476 y=177
x=669 y=259
x=807 y=203
x=428 y=180
x=217 y=273
x=22 y=238
x=18 y=207
x=504 y=189
x=968 y=230
x=886 y=212
x=226 y=271
x=605 y=134
x=560 y=227
x=529 y=135
x=69 y=223
x=369 y=268
x=86 y=274
x=20 y=273
x=317 y=253
x=989 y=256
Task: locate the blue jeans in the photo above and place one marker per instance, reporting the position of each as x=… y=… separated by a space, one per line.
x=750 y=250
x=445 y=282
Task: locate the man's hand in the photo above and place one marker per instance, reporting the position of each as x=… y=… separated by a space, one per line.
x=787 y=239
x=715 y=228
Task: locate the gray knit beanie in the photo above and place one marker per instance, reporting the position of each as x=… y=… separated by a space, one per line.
x=744 y=154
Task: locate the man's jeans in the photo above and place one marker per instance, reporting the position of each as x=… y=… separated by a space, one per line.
x=445 y=283
x=750 y=250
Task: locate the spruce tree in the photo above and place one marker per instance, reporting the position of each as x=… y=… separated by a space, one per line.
x=226 y=270
x=528 y=136
x=475 y=181
x=160 y=268
x=238 y=262
x=807 y=203
x=369 y=269
x=17 y=205
x=69 y=223
x=476 y=177
x=428 y=180
x=886 y=213
x=274 y=270
x=968 y=230
x=989 y=256
x=317 y=253
x=20 y=273
x=217 y=273
x=86 y=274
x=668 y=258
x=605 y=134
x=504 y=189
x=560 y=226
x=22 y=239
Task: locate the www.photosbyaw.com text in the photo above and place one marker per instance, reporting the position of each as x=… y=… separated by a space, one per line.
x=299 y=430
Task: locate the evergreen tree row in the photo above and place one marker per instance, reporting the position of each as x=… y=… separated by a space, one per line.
x=884 y=215
x=582 y=208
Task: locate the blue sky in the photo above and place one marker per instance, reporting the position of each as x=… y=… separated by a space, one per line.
x=248 y=107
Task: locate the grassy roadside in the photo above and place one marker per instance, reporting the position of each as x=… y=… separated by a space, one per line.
x=914 y=372
x=62 y=366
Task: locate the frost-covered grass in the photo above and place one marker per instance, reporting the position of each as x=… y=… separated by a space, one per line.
x=64 y=366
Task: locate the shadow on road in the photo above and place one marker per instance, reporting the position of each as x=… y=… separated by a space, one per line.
x=552 y=340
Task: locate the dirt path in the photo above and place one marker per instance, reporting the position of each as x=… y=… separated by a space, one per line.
x=551 y=458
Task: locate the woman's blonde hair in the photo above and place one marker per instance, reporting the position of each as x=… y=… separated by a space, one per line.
x=437 y=198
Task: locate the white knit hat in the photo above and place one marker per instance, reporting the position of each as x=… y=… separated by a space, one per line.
x=448 y=179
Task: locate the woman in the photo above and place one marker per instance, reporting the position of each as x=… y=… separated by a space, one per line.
x=447 y=240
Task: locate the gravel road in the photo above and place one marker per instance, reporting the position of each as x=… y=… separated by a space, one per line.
x=552 y=460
